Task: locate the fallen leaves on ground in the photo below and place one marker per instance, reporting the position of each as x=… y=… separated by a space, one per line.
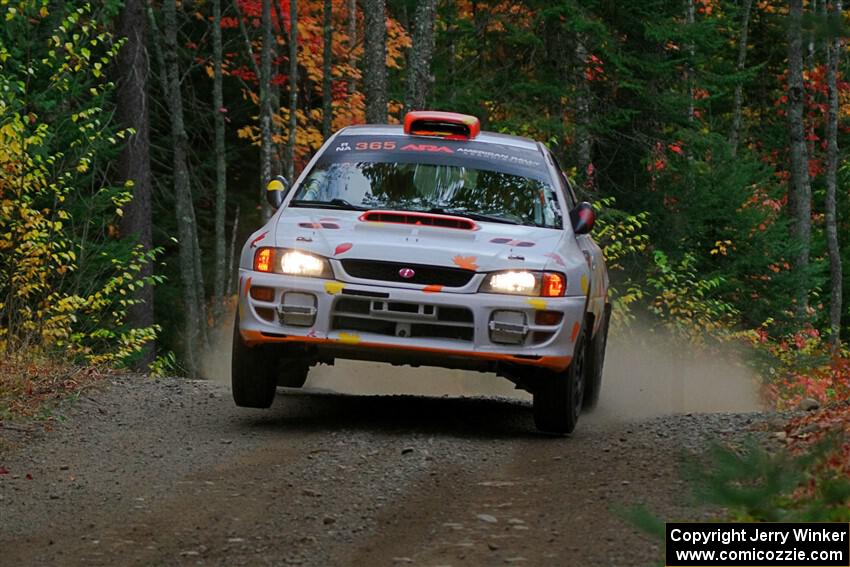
x=32 y=389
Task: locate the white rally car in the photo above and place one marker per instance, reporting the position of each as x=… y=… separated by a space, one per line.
x=428 y=244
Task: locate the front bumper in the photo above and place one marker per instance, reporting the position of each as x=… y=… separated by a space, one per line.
x=355 y=320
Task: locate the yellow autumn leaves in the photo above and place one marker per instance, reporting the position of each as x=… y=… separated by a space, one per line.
x=61 y=293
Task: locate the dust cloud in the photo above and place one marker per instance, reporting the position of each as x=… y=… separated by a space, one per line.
x=215 y=360
x=646 y=375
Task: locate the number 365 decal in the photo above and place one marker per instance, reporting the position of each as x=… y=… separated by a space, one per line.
x=375 y=146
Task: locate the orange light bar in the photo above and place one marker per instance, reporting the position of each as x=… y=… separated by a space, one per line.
x=448 y=125
x=263 y=259
x=554 y=284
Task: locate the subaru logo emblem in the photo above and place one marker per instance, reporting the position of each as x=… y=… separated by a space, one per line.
x=406 y=273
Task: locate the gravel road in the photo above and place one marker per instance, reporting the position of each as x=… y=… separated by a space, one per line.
x=169 y=472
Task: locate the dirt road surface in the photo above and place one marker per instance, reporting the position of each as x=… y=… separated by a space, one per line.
x=169 y=472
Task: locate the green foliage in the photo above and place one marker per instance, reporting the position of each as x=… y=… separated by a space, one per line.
x=623 y=239
x=758 y=485
x=686 y=303
x=754 y=484
x=165 y=365
x=66 y=280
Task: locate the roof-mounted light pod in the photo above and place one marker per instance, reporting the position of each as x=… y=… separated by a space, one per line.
x=447 y=125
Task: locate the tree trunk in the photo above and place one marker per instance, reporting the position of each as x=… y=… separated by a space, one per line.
x=293 y=90
x=739 y=88
x=232 y=255
x=352 y=40
x=833 y=55
x=813 y=6
x=799 y=190
x=220 y=165
x=375 y=61
x=584 y=144
x=419 y=77
x=266 y=148
x=690 y=18
x=195 y=330
x=134 y=162
x=278 y=156
x=327 y=62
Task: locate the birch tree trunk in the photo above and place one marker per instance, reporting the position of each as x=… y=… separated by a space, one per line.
x=813 y=6
x=584 y=144
x=220 y=164
x=419 y=78
x=375 y=61
x=833 y=56
x=187 y=234
x=327 y=63
x=690 y=18
x=293 y=90
x=352 y=41
x=278 y=157
x=739 y=88
x=266 y=148
x=799 y=190
x=134 y=162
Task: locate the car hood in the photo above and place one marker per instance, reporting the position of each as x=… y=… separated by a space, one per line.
x=492 y=246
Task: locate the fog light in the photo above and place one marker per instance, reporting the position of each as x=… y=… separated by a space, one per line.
x=508 y=327
x=262 y=293
x=298 y=309
x=548 y=318
x=265 y=313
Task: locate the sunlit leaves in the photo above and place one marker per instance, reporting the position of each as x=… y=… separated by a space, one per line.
x=51 y=202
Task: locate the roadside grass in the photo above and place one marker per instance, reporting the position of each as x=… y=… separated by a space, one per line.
x=792 y=484
x=805 y=479
x=33 y=390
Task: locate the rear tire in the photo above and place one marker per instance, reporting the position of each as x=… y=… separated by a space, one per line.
x=596 y=361
x=253 y=373
x=558 y=395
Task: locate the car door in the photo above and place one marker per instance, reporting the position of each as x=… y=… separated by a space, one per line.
x=597 y=292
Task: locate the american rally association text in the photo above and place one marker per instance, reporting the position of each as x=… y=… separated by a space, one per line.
x=726 y=536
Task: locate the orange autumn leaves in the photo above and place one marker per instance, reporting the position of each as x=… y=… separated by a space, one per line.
x=348 y=100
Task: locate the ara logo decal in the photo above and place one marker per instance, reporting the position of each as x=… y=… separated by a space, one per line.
x=343 y=147
x=427 y=148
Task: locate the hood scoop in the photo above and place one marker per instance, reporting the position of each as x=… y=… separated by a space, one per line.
x=420 y=219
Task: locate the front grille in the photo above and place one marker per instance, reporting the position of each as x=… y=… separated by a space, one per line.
x=401 y=319
x=423 y=274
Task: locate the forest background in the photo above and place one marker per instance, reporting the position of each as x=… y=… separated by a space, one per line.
x=136 y=138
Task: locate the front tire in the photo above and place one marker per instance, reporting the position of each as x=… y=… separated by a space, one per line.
x=292 y=372
x=558 y=396
x=253 y=373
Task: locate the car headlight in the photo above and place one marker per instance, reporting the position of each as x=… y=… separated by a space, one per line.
x=524 y=282
x=291 y=262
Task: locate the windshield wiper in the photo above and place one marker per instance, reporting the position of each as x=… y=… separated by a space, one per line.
x=472 y=215
x=332 y=204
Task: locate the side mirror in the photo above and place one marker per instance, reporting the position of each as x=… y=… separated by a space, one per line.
x=276 y=191
x=582 y=217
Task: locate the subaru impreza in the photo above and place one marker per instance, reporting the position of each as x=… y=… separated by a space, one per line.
x=428 y=243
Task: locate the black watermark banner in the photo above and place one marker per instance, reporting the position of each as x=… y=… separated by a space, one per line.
x=758 y=544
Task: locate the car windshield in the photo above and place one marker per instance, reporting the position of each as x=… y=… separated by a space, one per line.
x=481 y=194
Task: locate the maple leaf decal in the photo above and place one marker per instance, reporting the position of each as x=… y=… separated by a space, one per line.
x=465 y=262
